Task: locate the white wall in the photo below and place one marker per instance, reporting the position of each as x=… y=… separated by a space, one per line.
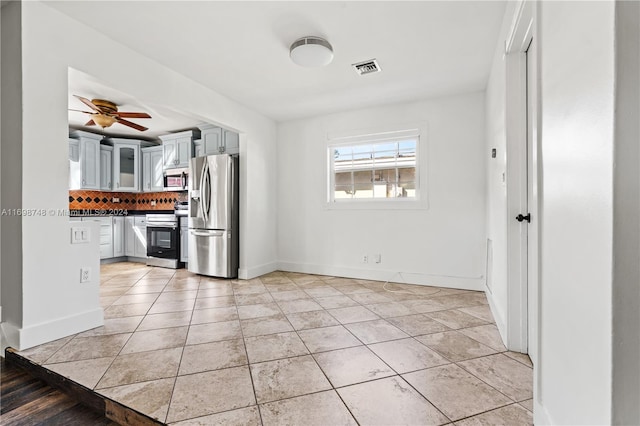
x=441 y=245
x=576 y=86
x=626 y=221
x=11 y=169
x=577 y=92
x=47 y=55
x=496 y=138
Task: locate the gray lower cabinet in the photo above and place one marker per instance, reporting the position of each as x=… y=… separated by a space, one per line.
x=118 y=236
x=129 y=236
x=184 y=239
x=140 y=236
x=135 y=236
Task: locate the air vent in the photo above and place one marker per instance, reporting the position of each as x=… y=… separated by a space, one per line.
x=367 y=67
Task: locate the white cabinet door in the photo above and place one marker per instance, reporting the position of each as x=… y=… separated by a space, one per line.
x=157 y=176
x=212 y=141
x=231 y=142
x=129 y=236
x=184 y=147
x=184 y=240
x=106 y=167
x=146 y=171
x=126 y=165
x=140 y=243
x=90 y=163
x=170 y=153
x=118 y=236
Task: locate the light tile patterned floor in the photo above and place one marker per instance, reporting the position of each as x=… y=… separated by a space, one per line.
x=295 y=349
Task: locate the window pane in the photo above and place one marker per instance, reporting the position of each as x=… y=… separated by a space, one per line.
x=343 y=178
x=363 y=190
x=363 y=176
x=343 y=191
x=375 y=170
x=385 y=175
x=407 y=174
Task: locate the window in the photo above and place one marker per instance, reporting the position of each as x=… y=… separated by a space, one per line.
x=374 y=170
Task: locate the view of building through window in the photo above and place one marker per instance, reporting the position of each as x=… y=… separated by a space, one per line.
x=374 y=170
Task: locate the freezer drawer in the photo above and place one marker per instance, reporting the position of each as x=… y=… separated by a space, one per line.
x=211 y=253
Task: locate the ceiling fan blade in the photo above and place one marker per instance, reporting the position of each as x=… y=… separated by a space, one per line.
x=130 y=124
x=90 y=123
x=88 y=103
x=132 y=114
x=77 y=110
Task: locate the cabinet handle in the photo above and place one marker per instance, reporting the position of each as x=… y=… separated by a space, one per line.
x=83 y=182
x=118 y=184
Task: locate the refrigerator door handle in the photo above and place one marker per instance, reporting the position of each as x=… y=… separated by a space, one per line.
x=203 y=191
x=206 y=233
x=208 y=193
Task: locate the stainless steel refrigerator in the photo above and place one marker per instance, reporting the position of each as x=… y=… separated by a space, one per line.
x=213 y=216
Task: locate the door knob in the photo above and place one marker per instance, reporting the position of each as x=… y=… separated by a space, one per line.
x=521 y=218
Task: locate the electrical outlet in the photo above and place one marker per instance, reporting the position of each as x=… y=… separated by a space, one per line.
x=85 y=275
x=115 y=200
x=377 y=258
x=365 y=258
x=153 y=202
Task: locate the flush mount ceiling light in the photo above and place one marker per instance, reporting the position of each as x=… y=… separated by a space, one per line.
x=311 y=52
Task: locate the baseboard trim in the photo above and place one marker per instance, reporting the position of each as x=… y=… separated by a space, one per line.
x=497 y=316
x=256 y=271
x=56 y=329
x=540 y=414
x=463 y=283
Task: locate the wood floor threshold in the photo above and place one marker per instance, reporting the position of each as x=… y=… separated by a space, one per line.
x=112 y=410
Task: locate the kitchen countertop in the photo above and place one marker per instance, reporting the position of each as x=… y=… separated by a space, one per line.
x=115 y=212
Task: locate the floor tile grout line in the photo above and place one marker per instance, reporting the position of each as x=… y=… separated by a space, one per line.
x=125 y=343
x=484 y=381
x=246 y=353
x=175 y=380
x=385 y=318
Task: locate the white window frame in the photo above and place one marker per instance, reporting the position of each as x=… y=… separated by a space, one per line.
x=370 y=136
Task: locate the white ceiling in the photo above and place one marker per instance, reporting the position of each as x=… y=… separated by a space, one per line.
x=241 y=49
x=163 y=119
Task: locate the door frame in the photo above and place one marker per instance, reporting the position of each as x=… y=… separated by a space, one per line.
x=522 y=239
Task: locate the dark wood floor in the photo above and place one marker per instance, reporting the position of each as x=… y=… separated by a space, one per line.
x=25 y=400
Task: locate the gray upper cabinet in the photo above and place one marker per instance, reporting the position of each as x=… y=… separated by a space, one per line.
x=231 y=142
x=216 y=140
x=152 y=168
x=84 y=160
x=106 y=167
x=126 y=165
x=211 y=141
x=178 y=149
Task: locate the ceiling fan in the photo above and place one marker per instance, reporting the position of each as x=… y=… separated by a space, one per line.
x=105 y=113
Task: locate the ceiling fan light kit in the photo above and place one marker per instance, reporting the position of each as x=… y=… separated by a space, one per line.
x=311 y=52
x=103 y=120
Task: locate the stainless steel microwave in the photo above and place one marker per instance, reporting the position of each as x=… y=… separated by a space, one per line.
x=176 y=179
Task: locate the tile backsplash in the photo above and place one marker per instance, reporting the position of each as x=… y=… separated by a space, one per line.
x=100 y=200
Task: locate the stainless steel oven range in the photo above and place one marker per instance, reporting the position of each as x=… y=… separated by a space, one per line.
x=163 y=241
